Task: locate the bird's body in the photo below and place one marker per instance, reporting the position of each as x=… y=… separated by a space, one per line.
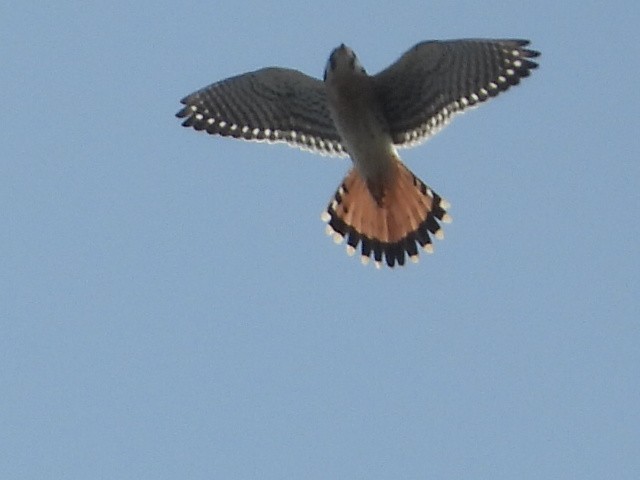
x=380 y=205
x=357 y=114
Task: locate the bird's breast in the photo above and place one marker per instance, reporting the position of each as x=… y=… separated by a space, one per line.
x=359 y=120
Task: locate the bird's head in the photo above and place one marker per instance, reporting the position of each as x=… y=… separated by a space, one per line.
x=342 y=62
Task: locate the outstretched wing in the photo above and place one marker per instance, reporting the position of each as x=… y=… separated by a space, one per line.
x=271 y=105
x=434 y=80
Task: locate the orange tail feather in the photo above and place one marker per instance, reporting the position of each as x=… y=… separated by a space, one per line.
x=390 y=220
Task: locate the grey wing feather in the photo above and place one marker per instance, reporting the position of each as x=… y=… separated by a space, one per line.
x=434 y=80
x=272 y=105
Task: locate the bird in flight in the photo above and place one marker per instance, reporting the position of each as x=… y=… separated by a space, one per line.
x=380 y=205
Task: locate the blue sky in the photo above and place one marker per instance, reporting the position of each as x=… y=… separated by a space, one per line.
x=171 y=308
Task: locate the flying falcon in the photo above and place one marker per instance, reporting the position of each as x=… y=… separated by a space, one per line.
x=380 y=206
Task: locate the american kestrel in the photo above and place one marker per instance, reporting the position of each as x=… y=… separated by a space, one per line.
x=380 y=205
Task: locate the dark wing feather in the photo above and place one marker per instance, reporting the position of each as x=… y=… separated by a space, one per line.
x=434 y=80
x=272 y=104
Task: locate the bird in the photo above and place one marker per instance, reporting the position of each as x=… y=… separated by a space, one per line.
x=380 y=206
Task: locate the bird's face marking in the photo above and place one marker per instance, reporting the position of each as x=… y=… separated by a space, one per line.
x=342 y=61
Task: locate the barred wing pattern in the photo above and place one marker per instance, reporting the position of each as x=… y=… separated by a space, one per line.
x=271 y=105
x=436 y=79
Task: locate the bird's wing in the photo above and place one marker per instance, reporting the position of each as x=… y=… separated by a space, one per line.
x=271 y=105
x=434 y=80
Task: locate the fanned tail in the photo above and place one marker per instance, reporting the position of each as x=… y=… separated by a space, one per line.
x=389 y=220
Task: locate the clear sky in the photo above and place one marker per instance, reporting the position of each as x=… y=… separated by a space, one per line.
x=171 y=308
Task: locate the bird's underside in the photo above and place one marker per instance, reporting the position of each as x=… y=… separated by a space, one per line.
x=380 y=205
